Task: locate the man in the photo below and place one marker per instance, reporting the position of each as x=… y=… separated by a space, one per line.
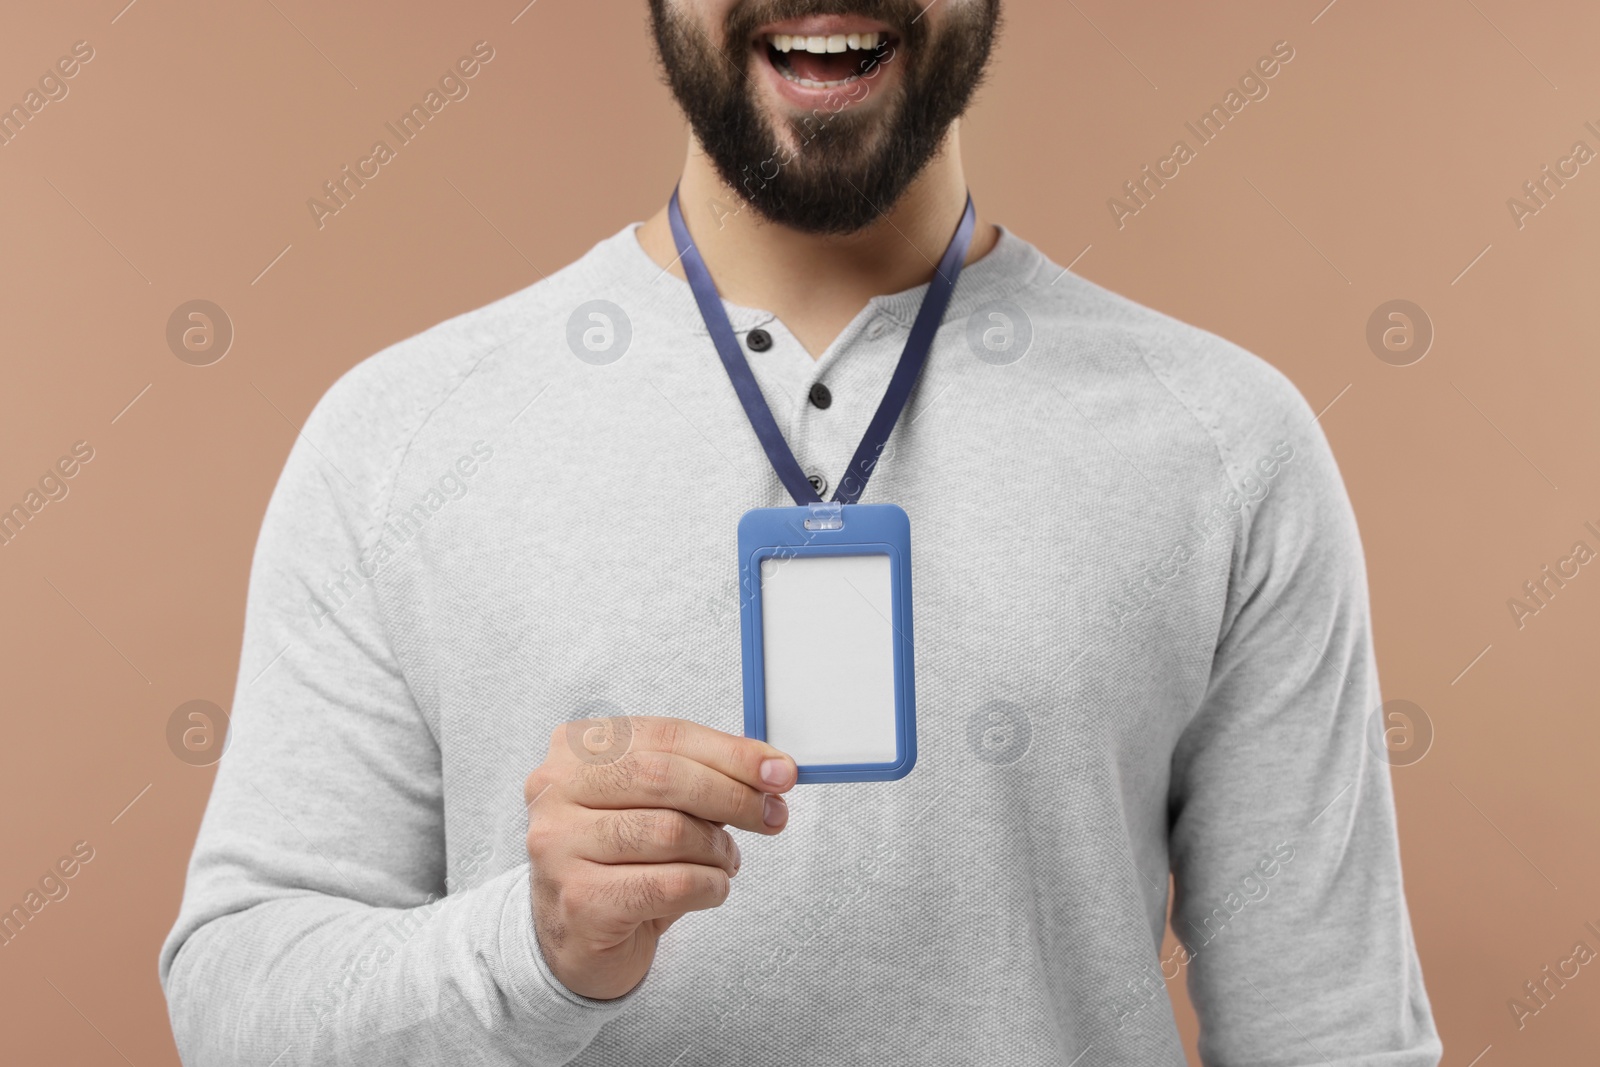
x=486 y=750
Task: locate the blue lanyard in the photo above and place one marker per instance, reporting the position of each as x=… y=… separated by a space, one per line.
x=894 y=398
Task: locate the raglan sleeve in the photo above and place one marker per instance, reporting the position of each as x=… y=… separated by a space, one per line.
x=319 y=924
x=1288 y=899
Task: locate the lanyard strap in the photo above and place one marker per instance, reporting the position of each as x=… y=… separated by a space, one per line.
x=894 y=398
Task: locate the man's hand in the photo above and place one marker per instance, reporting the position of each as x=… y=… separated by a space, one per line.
x=625 y=835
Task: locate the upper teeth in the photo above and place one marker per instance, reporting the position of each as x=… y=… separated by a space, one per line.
x=838 y=42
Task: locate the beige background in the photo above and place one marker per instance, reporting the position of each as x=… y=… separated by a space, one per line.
x=1379 y=166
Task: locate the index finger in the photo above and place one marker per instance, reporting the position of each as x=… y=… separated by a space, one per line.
x=747 y=760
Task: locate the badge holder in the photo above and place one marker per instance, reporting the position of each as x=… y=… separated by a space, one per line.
x=830 y=585
x=825 y=588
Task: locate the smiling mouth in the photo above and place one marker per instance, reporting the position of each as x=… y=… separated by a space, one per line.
x=827 y=61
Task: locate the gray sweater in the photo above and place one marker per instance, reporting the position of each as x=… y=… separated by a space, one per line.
x=1143 y=645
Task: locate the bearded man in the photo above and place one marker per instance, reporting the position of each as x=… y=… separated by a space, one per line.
x=492 y=767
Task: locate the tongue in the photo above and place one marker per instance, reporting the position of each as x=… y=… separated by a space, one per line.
x=824 y=66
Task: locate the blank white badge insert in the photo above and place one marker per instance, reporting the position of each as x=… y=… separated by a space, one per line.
x=828 y=656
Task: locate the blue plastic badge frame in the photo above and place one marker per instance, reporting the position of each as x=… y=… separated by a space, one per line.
x=825 y=529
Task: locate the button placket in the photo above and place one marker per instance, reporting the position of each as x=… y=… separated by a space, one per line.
x=831 y=450
x=790 y=378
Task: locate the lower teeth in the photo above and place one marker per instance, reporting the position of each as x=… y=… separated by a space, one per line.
x=809 y=84
x=781 y=62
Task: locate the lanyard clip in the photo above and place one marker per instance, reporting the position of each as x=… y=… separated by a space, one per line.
x=825 y=516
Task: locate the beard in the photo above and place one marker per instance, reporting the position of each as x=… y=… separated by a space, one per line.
x=851 y=165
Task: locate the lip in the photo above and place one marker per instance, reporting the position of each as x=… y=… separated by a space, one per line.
x=808 y=99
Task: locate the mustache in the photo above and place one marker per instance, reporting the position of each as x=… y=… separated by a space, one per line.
x=903 y=16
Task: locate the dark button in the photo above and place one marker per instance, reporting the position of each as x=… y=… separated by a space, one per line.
x=818 y=482
x=758 y=340
x=820 y=395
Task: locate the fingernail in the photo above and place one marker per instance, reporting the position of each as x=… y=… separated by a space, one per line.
x=738 y=858
x=775 y=772
x=774 y=812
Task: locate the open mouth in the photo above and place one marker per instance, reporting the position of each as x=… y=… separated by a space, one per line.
x=827 y=61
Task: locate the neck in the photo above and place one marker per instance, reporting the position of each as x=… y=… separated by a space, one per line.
x=816 y=284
